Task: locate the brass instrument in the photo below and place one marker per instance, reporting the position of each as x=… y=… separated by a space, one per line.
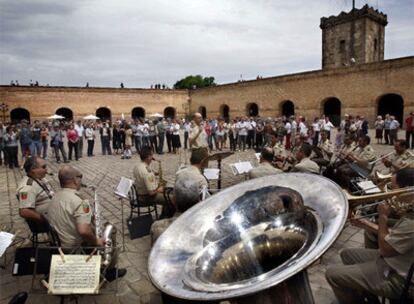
x=161 y=181
x=358 y=203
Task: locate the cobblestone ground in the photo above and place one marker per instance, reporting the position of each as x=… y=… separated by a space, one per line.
x=135 y=287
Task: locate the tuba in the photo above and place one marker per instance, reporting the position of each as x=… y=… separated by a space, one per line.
x=237 y=247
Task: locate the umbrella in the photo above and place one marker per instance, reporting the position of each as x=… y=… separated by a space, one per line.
x=91 y=117
x=157 y=115
x=56 y=116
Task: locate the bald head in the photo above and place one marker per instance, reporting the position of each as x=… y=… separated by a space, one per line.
x=69 y=177
x=197 y=118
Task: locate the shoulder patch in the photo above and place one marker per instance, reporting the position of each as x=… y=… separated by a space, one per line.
x=85 y=207
x=29 y=181
x=23 y=196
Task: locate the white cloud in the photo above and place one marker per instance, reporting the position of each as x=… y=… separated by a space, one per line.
x=144 y=42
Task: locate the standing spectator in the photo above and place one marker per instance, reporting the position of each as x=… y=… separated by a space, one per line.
x=2 y=150
x=73 y=139
x=364 y=126
x=379 y=129
x=36 y=148
x=56 y=141
x=259 y=135
x=327 y=127
x=250 y=132
x=161 y=135
x=232 y=135
x=268 y=131
x=116 y=139
x=187 y=128
x=25 y=140
x=207 y=129
x=169 y=134
x=81 y=132
x=242 y=132
x=409 y=130
x=145 y=134
x=220 y=134
x=303 y=130
x=153 y=136
x=176 y=142
x=317 y=129
x=128 y=142
x=11 y=146
x=213 y=124
x=394 y=126
x=44 y=135
x=90 y=138
x=339 y=139
x=387 y=123
x=105 y=132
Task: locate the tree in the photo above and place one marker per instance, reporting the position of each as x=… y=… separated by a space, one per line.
x=191 y=82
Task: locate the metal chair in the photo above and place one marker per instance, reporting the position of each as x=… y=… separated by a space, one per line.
x=137 y=202
x=37 y=228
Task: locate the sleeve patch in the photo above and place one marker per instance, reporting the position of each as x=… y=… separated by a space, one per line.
x=23 y=196
x=85 y=207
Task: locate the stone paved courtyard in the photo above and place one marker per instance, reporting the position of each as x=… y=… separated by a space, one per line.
x=135 y=287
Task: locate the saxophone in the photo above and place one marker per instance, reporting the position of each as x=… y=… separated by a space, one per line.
x=108 y=234
x=162 y=182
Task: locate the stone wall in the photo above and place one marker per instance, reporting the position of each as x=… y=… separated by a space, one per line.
x=358 y=88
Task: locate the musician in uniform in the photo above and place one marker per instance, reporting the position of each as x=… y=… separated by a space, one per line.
x=369 y=273
x=304 y=163
x=265 y=167
x=198 y=136
x=402 y=157
x=147 y=185
x=323 y=152
x=361 y=156
x=34 y=192
x=71 y=216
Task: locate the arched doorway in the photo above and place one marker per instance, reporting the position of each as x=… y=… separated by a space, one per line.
x=16 y=115
x=169 y=112
x=138 y=112
x=392 y=104
x=203 y=111
x=332 y=109
x=288 y=108
x=104 y=114
x=252 y=109
x=225 y=112
x=65 y=112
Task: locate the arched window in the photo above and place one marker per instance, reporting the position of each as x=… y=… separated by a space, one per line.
x=332 y=109
x=138 y=112
x=169 y=112
x=203 y=111
x=252 y=109
x=18 y=114
x=225 y=112
x=65 y=112
x=392 y=104
x=288 y=108
x=104 y=114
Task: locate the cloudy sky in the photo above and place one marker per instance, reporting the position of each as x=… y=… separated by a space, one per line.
x=139 y=42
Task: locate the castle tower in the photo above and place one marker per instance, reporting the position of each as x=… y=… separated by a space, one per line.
x=350 y=38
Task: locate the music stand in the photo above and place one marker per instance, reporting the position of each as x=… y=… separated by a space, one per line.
x=122 y=191
x=219 y=157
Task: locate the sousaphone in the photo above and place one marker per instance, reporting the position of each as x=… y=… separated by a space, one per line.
x=252 y=242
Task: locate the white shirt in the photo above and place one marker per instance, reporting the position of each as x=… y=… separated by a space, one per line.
x=394 y=124
x=327 y=126
x=303 y=129
x=242 y=128
x=145 y=130
x=288 y=127
x=79 y=129
x=316 y=127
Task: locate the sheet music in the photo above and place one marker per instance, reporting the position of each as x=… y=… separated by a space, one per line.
x=369 y=187
x=75 y=275
x=5 y=240
x=123 y=187
x=211 y=173
x=241 y=167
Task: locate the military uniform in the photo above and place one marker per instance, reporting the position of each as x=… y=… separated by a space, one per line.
x=201 y=140
x=366 y=271
x=35 y=194
x=322 y=158
x=264 y=169
x=306 y=165
x=366 y=153
x=146 y=182
x=278 y=149
x=406 y=159
x=67 y=210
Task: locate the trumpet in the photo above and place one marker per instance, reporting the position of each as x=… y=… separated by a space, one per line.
x=364 y=202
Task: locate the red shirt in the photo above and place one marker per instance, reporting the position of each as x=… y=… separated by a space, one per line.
x=408 y=123
x=72 y=135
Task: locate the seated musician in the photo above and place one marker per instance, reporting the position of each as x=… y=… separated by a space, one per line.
x=304 y=164
x=265 y=167
x=147 y=185
x=322 y=153
x=402 y=157
x=361 y=156
x=369 y=273
x=34 y=192
x=71 y=215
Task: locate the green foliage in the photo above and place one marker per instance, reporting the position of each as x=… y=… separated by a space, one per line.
x=191 y=82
